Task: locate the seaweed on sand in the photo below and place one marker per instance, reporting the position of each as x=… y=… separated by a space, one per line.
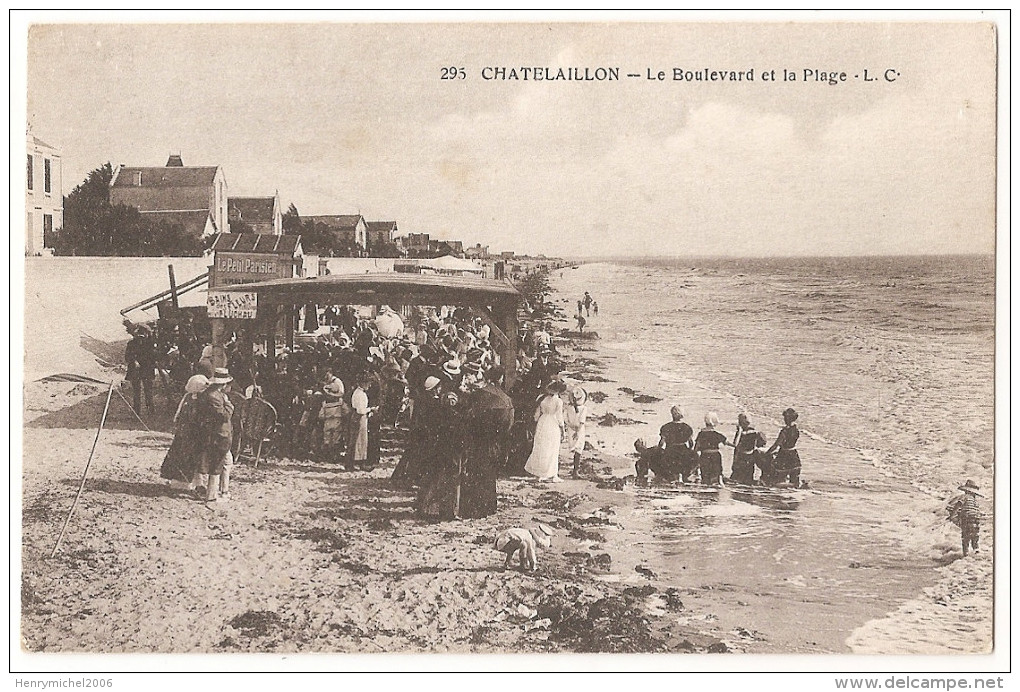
x=256 y=623
x=611 y=624
x=610 y=419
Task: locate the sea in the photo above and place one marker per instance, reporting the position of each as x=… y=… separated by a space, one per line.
x=889 y=362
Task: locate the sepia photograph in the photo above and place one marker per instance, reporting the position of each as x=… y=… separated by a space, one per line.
x=527 y=334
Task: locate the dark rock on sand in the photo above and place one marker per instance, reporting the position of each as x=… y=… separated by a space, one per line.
x=646 y=399
x=672 y=597
x=646 y=572
x=597 y=397
x=611 y=419
x=585 y=535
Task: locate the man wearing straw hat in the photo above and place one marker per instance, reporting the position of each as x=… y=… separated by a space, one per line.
x=216 y=414
x=966 y=510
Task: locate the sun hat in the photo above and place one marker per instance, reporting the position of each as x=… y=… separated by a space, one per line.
x=221 y=376
x=578 y=395
x=971 y=487
x=791 y=414
x=473 y=367
x=676 y=412
x=430 y=383
x=196 y=384
x=711 y=419
x=452 y=367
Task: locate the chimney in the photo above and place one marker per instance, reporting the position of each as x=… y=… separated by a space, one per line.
x=138 y=178
x=174 y=161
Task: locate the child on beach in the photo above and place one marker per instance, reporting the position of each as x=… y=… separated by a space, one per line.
x=576 y=417
x=965 y=513
x=333 y=415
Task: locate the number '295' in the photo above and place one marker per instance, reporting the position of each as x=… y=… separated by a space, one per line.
x=452 y=73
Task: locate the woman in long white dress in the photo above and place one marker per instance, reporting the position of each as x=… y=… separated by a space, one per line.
x=544 y=461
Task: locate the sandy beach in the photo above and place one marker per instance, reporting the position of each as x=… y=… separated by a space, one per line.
x=307 y=558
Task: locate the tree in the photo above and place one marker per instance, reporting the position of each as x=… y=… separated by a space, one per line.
x=384 y=250
x=93 y=226
x=291 y=221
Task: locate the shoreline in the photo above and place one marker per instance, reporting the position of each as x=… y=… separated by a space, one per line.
x=353 y=556
x=951 y=598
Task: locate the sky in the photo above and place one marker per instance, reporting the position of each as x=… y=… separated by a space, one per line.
x=349 y=118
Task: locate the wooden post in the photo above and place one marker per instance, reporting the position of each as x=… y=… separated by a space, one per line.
x=173 y=287
x=218 y=325
x=270 y=321
x=291 y=317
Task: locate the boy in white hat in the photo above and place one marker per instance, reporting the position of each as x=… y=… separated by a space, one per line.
x=523 y=542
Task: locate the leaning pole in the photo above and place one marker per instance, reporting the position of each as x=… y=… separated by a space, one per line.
x=84 y=475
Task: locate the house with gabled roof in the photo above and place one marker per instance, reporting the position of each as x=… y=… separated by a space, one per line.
x=173 y=192
x=255 y=214
x=44 y=197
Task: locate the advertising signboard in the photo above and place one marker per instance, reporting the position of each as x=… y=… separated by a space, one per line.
x=243 y=306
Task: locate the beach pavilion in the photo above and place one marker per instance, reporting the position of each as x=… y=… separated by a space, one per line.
x=266 y=302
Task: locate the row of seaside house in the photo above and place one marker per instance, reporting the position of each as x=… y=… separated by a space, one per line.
x=195 y=197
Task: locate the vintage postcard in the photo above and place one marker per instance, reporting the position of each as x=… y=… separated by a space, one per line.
x=517 y=335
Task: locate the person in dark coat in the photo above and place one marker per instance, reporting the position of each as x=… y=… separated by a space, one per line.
x=490 y=415
x=655 y=459
x=185 y=453
x=707 y=445
x=216 y=412
x=416 y=460
x=677 y=445
x=966 y=513
x=439 y=496
x=140 y=356
x=748 y=444
x=786 y=458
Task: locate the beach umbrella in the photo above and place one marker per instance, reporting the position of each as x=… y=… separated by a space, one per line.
x=389 y=324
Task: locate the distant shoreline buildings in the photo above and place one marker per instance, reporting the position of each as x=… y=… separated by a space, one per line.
x=196 y=199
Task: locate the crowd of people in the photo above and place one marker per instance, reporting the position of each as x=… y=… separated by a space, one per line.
x=439 y=380
x=681 y=456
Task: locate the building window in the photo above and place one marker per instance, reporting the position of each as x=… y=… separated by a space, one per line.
x=47 y=230
x=29 y=172
x=46 y=176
